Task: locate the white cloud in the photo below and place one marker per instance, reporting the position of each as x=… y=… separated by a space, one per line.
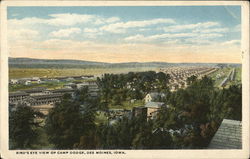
x=122 y=26
x=101 y=20
x=24 y=23
x=214 y=30
x=66 y=19
x=177 y=28
x=142 y=38
x=144 y=29
x=237 y=28
x=198 y=41
x=199 y=33
x=15 y=14
x=90 y=30
x=137 y=37
x=178 y=35
x=209 y=35
x=232 y=42
x=197 y=38
x=65 y=32
x=113 y=19
x=180 y=38
x=112 y=29
x=172 y=42
x=87 y=50
x=59 y=43
x=69 y=19
x=22 y=34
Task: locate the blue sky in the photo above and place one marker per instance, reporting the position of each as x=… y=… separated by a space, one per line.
x=125 y=34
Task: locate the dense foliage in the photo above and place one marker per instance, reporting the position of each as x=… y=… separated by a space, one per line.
x=120 y=87
x=23 y=127
x=190 y=120
x=70 y=120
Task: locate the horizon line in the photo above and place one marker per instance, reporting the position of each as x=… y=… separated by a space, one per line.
x=129 y=62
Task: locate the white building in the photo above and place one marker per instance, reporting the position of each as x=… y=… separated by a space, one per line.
x=153 y=97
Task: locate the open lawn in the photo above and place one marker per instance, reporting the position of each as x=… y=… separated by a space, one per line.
x=127 y=105
x=220 y=75
x=102 y=118
x=33 y=72
x=237 y=78
x=48 y=85
x=238 y=74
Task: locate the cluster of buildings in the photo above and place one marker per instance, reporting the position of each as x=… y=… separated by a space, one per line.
x=179 y=75
x=151 y=107
x=147 y=111
x=43 y=99
x=38 y=80
x=228 y=135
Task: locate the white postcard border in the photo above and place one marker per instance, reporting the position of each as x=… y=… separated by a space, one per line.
x=244 y=153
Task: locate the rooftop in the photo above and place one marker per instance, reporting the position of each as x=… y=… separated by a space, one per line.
x=228 y=136
x=35 y=90
x=154 y=104
x=63 y=90
x=47 y=96
x=18 y=94
x=139 y=107
x=155 y=94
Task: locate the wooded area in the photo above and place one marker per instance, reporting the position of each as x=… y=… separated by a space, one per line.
x=189 y=122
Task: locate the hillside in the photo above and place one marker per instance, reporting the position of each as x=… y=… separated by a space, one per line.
x=48 y=63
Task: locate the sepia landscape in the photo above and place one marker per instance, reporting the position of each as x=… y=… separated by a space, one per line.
x=99 y=78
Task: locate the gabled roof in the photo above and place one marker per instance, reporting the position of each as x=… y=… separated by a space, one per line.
x=156 y=94
x=228 y=136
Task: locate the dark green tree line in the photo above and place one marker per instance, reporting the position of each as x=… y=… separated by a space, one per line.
x=23 y=127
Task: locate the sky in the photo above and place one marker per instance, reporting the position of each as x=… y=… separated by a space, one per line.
x=127 y=33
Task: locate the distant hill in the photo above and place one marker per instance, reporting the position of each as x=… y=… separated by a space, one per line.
x=48 y=63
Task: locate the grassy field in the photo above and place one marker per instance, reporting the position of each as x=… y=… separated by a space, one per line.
x=25 y=73
x=102 y=118
x=237 y=78
x=127 y=105
x=224 y=73
x=48 y=85
x=238 y=72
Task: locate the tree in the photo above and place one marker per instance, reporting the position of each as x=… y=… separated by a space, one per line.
x=199 y=103
x=117 y=99
x=89 y=140
x=143 y=139
x=161 y=140
x=70 y=122
x=64 y=124
x=191 y=79
x=82 y=94
x=163 y=80
x=120 y=134
x=23 y=127
x=233 y=103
